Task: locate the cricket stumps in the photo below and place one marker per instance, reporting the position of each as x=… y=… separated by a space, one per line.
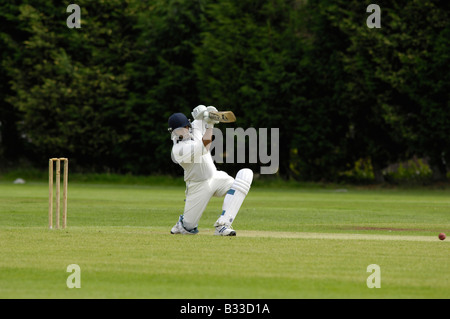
x=58 y=192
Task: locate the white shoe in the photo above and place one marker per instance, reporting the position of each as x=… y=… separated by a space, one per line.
x=179 y=228
x=222 y=230
x=176 y=229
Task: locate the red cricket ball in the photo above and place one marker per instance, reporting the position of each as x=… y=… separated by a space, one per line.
x=442 y=236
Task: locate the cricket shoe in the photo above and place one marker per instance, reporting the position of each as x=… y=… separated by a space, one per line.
x=222 y=230
x=179 y=228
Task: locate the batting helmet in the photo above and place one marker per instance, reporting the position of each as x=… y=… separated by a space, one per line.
x=177 y=120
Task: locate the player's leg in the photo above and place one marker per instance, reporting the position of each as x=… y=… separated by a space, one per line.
x=180 y=229
x=197 y=198
x=232 y=203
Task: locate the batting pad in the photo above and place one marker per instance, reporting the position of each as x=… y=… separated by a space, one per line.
x=235 y=197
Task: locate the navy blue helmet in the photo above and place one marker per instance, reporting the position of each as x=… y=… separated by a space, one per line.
x=178 y=120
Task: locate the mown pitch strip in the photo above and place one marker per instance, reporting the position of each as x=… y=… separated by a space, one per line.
x=330 y=236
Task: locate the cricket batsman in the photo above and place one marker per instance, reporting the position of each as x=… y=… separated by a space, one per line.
x=191 y=150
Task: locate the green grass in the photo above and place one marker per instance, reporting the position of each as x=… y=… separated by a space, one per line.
x=292 y=242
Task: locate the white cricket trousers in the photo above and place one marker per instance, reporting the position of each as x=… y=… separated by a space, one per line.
x=198 y=195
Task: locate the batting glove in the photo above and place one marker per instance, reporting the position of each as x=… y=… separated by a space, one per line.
x=198 y=112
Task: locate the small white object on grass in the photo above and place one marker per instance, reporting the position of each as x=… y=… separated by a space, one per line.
x=19 y=181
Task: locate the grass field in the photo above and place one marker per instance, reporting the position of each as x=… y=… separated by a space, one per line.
x=291 y=243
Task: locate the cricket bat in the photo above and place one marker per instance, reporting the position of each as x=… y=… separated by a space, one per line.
x=223 y=117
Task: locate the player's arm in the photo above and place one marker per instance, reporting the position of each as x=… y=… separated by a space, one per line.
x=207 y=137
x=200 y=115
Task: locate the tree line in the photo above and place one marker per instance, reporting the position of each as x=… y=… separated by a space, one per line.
x=340 y=92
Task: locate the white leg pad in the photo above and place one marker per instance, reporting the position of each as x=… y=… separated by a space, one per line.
x=235 y=197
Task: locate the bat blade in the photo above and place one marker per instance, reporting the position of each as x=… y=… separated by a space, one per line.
x=223 y=117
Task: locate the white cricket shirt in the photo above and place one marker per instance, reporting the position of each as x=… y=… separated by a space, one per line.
x=193 y=156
